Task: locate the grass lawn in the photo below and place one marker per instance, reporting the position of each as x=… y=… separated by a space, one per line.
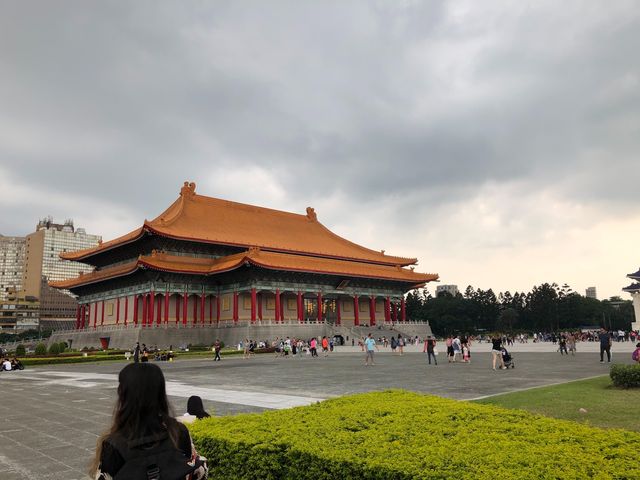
x=606 y=406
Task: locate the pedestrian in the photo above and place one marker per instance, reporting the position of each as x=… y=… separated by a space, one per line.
x=313 y=346
x=217 y=346
x=401 y=344
x=325 y=346
x=466 y=353
x=562 y=345
x=369 y=344
x=457 y=348
x=429 y=348
x=449 y=344
x=136 y=353
x=571 y=343
x=635 y=356
x=145 y=354
x=496 y=350
x=394 y=344
x=144 y=426
x=605 y=345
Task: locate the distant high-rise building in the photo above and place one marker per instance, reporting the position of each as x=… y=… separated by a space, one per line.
x=11 y=265
x=450 y=289
x=43 y=264
x=591 y=293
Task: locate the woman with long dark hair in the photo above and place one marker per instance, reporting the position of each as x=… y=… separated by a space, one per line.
x=143 y=424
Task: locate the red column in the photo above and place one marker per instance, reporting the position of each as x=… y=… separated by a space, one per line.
x=195 y=309
x=81 y=319
x=202 y=309
x=159 y=315
x=143 y=322
x=77 y=316
x=166 y=306
x=277 y=311
x=394 y=312
x=403 y=310
x=85 y=316
x=253 y=305
x=217 y=309
x=210 y=309
x=387 y=310
x=135 y=309
x=282 y=308
x=356 y=311
x=177 y=309
x=338 y=312
x=235 y=306
x=102 y=316
x=117 y=310
x=126 y=309
x=185 y=305
x=320 y=306
x=151 y=308
x=299 y=308
x=372 y=311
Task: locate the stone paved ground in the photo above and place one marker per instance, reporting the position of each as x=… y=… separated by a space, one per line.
x=52 y=415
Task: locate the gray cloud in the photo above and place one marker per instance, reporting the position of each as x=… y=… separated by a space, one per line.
x=398 y=104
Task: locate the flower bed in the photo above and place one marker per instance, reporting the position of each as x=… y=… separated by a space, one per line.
x=402 y=435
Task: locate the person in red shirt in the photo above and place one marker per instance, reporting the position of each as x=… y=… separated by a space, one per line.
x=325 y=346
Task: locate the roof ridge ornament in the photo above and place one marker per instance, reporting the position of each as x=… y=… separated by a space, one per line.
x=254 y=250
x=311 y=214
x=188 y=190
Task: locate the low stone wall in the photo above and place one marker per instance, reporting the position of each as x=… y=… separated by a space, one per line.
x=178 y=337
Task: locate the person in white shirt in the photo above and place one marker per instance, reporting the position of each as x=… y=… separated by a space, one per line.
x=6 y=364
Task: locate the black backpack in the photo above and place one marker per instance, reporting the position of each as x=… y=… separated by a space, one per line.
x=151 y=458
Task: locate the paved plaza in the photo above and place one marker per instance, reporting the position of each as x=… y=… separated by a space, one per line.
x=52 y=415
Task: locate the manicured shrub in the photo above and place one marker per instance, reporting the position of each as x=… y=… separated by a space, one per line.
x=400 y=435
x=62 y=346
x=625 y=376
x=41 y=349
x=54 y=349
x=20 y=351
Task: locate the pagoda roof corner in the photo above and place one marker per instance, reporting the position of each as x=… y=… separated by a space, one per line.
x=634 y=276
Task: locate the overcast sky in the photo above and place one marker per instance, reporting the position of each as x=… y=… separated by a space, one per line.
x=498 y=142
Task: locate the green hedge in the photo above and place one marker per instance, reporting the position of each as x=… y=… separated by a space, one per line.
x=396 y=435
x=625 y=376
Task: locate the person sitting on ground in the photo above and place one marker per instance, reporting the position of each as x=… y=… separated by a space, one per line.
x=16 y=364
x=144 y=425
x=6 y=364
x=195 y=411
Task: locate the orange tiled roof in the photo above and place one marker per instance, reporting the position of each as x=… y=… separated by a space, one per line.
x=211 y=220
x=257 y=257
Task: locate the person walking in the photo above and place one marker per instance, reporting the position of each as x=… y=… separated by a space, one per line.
x=217 y=346
x=429 y=348
x=571 y=343
x=449 y=345
x=562 y=345
x=369 y=344
x=605 y=345
x=143 y=425
x=136 y=353
x=496 y=350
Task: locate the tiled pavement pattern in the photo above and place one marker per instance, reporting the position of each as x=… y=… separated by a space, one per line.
x=52 y=415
